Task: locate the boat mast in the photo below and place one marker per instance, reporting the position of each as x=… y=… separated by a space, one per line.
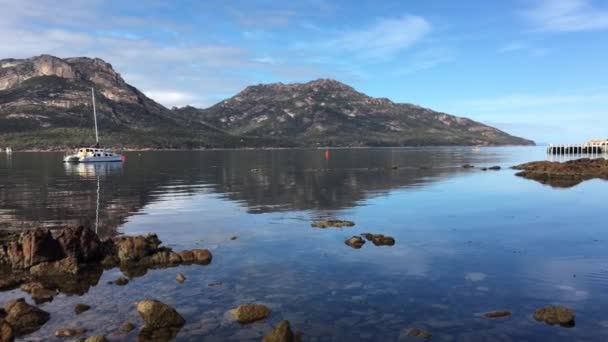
x=95 y=117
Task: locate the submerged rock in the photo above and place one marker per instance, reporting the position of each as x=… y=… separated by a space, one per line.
x=121 y=281
x=379 y=239
x=282 y=333
x=415 y=332
x=468 y=166
x=494 y=168
x=80 y=308
x=249 y=313
x=555 y=315
x=39 y=293
x=159 y=315
x=24 y=318
x=97 y=338
x=497 y=314
x=127 y=327
x=355 y=242
x=332 y=224
x=69 y=332
x=180 y=278
x=233 y=238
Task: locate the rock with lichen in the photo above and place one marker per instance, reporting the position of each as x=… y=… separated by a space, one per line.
x=355 y=242
x=159 y=315
x=23 y=317
x=282 y=333
x=555 y=314
x=248 y=313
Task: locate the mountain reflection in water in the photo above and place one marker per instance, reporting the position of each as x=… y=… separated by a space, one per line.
x=36 y=189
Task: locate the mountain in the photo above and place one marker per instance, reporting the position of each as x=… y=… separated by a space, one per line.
x=329 y=113
x=45 y=103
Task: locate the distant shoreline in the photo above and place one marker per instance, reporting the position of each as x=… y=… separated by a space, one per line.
x=277 y=148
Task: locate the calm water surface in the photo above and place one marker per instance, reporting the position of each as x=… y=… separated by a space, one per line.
x=467 y=241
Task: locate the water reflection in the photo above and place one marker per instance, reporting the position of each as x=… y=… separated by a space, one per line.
x=38 y=190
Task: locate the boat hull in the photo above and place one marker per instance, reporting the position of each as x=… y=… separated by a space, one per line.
x=77 y=159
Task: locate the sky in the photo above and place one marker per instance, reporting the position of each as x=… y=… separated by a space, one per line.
x=534 y=68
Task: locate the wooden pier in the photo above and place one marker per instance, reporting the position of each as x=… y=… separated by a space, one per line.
x=578 y=149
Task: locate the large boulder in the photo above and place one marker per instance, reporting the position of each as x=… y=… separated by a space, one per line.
x=159 y=315
x=31 y=248
x=24 y=318
x=80 y=243
x=134 y=248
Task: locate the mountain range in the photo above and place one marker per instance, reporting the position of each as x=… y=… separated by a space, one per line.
x=45 y=103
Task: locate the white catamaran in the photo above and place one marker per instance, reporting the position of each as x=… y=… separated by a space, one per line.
x=93 y=154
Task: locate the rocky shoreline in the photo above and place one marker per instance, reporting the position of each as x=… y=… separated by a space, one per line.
x=566 y=174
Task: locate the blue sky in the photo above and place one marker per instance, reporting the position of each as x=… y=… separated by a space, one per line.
x=535 y=68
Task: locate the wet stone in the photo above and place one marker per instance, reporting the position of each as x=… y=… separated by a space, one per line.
x=419 y=333
x=379 y=239
x=80 y=308
x=555 y=315
x=122 y=281
x=97 y=338
x=248 y=313
x=332 y=224
x=233 y=238
x=497 y=314
x=355 y=242
x=282 y=333
x=159 y=315
x=127 y=327
x=6 y=331
x=24 y=318
x=69 y=332
x=180 y=278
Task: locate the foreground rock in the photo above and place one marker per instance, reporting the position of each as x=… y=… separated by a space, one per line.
x=555 y=315
x=379 y=239
x=282 y=333
x=249 y=313
x=24 y=318
x=71 y=260
x=497 y=314
x=97 y=338
x=355 y=242
x=162 y=321
x=565 y=174
x=159 y=315
x=6 y=331
x=332 y=224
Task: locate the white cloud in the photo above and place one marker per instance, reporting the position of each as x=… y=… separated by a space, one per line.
x=567 y=16
x=384 y=38
x=171 y=98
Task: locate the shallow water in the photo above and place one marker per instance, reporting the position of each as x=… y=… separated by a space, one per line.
x=467 y=241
